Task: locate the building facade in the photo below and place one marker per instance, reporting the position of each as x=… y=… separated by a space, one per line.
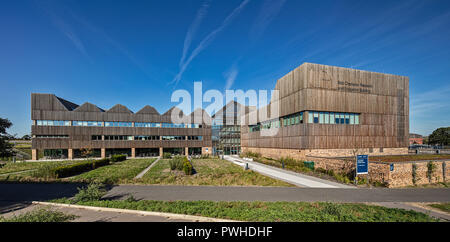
x=333 y=111
x=62 y=129
x=226 y=129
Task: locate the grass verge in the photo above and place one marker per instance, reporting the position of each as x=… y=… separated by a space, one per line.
x=40 y=215
x=441 y=206
x=214 y=172
x=269 y=211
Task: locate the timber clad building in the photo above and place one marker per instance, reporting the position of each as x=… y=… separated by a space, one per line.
x=333 y=111
x=62 y=129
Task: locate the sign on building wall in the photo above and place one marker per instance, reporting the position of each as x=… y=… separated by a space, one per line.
x=362 y=164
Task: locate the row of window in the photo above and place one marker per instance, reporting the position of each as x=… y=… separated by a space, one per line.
x=113 y=124
x=52 y=136
x=313 y=117
x=145 y=137
x=333 y=118
x=52 y=123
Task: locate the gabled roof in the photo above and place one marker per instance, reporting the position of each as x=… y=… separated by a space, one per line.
x=200 y=115
x=119 y=108
x=147 y=109
x=169 y=112
x=70 y=106
x=88 y=107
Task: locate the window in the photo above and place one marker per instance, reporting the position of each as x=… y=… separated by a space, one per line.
x=52 y=123
x=316 y=117
x=118 y=124
x=96 y=137
x=118 y=137
x=52 y=136
x=148 y=125
x=333 y=118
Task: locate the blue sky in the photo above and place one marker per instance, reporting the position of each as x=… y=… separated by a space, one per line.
x=138 y=52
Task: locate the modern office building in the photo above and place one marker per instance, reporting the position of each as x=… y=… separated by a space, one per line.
x=334 y=111
x=226 y=129
x=67 y=130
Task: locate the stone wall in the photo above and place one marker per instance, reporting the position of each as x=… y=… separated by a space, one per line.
x=402 y=175
x=302 y=154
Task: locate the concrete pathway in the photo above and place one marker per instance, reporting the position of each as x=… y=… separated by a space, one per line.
x=140 y=175
x=297 y=179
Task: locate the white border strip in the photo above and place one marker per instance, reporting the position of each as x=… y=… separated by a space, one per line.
x=130 y=211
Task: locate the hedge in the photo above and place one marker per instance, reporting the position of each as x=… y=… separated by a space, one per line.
x=117 y=158
x=74 y=169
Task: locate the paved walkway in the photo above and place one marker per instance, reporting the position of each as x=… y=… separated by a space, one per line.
x=297 y=179
x=140 y=175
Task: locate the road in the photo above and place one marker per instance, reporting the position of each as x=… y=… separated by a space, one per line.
x=13 y=193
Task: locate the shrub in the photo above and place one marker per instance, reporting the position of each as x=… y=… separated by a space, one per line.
x=431 y=168
x=46 y=171
x=414 y=173
x=74 y=169
x=118 y=158
x=176 y=163
x=93 y=192
x=167 y=155
x=40 y=215
x=187 y=167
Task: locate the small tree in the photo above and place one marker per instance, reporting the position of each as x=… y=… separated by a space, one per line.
x=5 y=147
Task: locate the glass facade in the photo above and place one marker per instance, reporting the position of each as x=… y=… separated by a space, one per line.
x=333 y=118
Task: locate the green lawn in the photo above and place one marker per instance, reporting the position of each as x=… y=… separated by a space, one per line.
x=270 y=211
x=442 y=206
x=214 y=172
x=120 y=172
x=10 y=167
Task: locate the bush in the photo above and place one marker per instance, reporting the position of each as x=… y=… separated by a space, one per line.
x=74 y=169
x=93 y=192
x=187 y=167
x=176 y=163
x=167 y=155
x=118 y=158
x=40 y=215
x=46 y=171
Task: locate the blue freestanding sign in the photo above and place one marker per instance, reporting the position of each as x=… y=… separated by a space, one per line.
x=362 y=164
